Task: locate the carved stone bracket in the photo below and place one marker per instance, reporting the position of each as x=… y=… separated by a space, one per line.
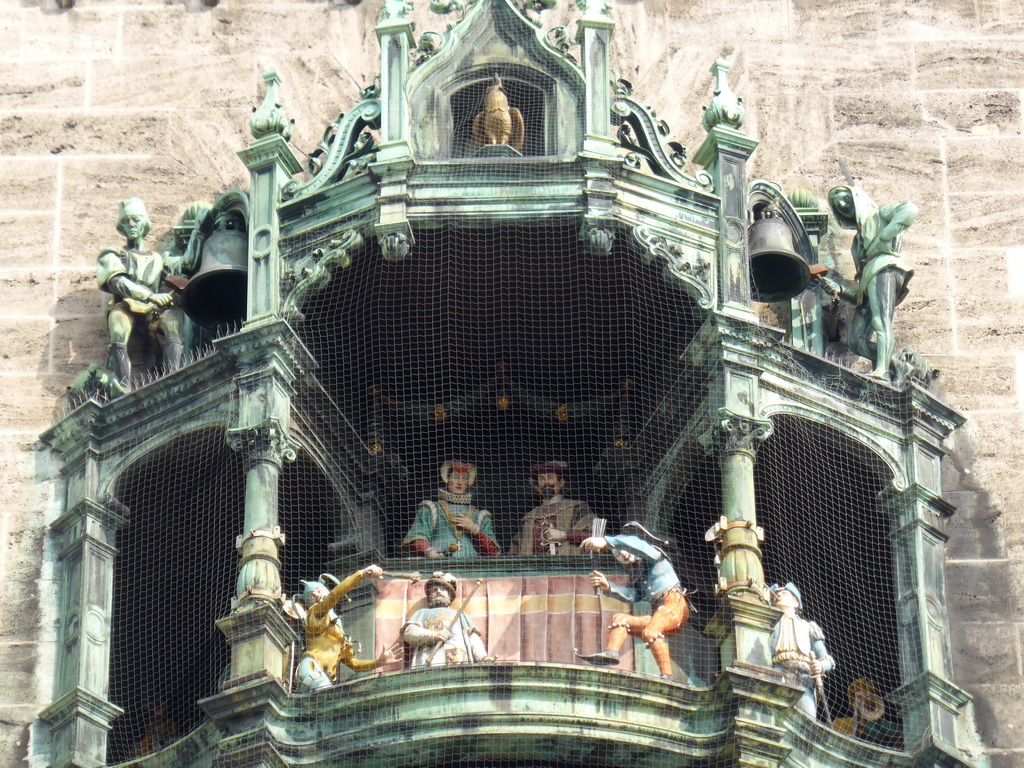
x=691 y=268
x=312 y=273
x=266 y=442
x=599 y=239
x=395 y=246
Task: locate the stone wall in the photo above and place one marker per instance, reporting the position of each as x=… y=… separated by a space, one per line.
x=152 y=98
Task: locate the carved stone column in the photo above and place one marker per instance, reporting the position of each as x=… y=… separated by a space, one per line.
x=594 y=34
x=395 y=34
x=743 y=625
x=929 y=700
x=264 y=448
x=737 y=533
x=270 y=359
x=81 y=715
x=271 y=165
x=724 y=153
x=393 y=163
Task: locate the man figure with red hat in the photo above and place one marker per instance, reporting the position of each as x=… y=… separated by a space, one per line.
x=559 y=525
x=452 y=526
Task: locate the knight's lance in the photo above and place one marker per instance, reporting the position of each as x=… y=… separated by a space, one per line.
x=414 y=576
x=458 y=615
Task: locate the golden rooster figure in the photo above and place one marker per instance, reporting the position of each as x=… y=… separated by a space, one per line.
x=498 y=123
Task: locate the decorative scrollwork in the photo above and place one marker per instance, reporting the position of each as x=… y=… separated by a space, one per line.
x=740 y=434
x=429 y=44
x=313 y=273
x=642 y=132
x=692 y=268
x=345 y=149
x=559 y=40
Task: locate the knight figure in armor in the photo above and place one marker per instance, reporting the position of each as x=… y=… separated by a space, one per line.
x=439 y=634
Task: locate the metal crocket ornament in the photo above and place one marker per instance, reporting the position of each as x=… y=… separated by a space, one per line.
x=499 y=123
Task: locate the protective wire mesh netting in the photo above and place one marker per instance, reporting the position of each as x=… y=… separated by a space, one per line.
x=174 y=577
x=505 y=347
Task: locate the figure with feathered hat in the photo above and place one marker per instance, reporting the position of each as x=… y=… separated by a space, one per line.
x=798 y=648
x=651 y=578
x=440 y=634
x=558 y=525
x=452 y=526
x=327 y=645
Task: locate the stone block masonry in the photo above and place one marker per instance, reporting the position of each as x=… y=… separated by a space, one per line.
x=152 y=98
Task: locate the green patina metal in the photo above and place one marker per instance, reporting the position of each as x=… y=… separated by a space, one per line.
x=607 y=164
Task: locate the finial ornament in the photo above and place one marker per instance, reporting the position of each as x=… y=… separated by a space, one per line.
x=396 y=9
x=595 y=8
x=725 y=106
x=268 y=118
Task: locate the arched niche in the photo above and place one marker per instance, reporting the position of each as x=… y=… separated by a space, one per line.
x=174 y=576
x=505 y=344
x=821 y=501
x=446 y=91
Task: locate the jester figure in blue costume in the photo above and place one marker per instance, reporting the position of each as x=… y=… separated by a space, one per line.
x=652 y=578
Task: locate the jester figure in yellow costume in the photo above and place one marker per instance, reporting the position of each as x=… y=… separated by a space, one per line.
x=327 y=645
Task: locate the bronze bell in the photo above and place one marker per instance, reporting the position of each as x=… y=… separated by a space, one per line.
x=777 y=271
x=216 y=294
